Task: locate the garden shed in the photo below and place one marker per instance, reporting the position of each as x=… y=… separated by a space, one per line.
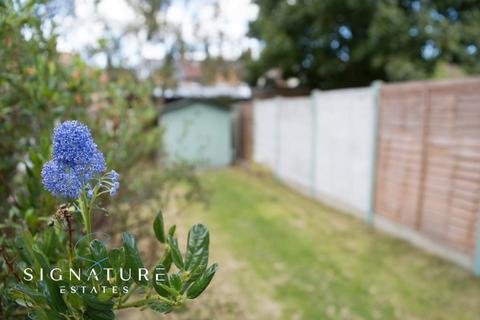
x=198 y=131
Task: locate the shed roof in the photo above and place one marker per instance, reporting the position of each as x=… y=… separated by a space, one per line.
x=183 y=103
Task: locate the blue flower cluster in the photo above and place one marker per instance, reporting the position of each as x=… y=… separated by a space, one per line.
x=75 y=161
x=114 y=184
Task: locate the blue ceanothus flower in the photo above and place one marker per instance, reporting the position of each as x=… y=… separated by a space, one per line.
x=76 y=161
x=61 y=181
x=73 y=144
x=113 y=177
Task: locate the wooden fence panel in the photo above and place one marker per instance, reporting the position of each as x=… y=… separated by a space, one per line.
x=401 y=129
x=452 y=180
x=428 y=173
x=245 y=131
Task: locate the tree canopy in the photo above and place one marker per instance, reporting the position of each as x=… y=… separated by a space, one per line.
x=331 y=43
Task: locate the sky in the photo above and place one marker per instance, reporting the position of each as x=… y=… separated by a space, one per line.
x=195 y=19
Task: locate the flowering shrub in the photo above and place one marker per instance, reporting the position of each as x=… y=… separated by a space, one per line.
x=75 y=162
x=40 y=86
x=90 y=281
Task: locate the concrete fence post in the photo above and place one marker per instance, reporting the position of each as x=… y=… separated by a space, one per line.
x=277 y=135
x=313 y=168
x=373 y=183
x=476 y=259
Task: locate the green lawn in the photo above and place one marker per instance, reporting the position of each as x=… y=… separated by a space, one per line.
x=311 y=262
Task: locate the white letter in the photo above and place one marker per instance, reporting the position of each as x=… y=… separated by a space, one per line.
x=52 y=277
x=129 y=275
x=142 y=273
x=29 y=274
x=109 y=270
x=76 y=275
x=94 y=275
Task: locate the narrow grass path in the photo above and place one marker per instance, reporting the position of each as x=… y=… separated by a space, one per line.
x=316 y=263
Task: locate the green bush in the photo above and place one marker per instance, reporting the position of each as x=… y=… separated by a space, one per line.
x=39 y=87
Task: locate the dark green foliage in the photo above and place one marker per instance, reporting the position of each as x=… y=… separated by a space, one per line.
x=48 y=287
x=44 y=298
x=161 y=274
x=38 y=87
x=160 y=307
x=97 y=250
x=175 y=252
x=116 y=258
x=159 y=228
x=196 y=257
x=202 y=283
x=330 y=44
x=171 y=230
x=167 y=261
x=96 y=309
x=133 y=261
x=176 y=281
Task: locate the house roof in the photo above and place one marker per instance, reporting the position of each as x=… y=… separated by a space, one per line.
x=183 y=103
x=190 y=89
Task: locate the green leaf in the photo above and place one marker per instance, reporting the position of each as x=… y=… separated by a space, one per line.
x=52 y=291
x=167 y=261
x=24 y=245
x=94 y=303
x=196 y=256
x=31 y=293
x=44 y=314
x=97 y=250
x=160 y=307
x=99 y=256
x=174 y=293
x=116 y=257
x=96 y=309
x=105 y=295
x=132 y=258
x=159 y=228
x=51 y=242
x=171 y=230
x=160 y=276
x=202 y=283
x=23 y=250
x=25 y=296
x=176 y=281
x=74 y=300
x=175 y=252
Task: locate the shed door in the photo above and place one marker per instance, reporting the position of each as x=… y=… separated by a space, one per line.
x=199 y=134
